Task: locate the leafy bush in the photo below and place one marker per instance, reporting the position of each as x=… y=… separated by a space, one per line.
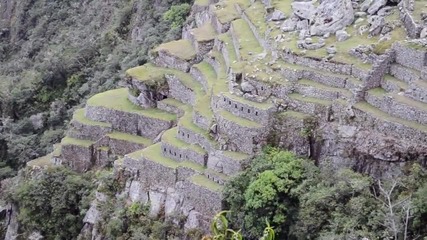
x=177 y=14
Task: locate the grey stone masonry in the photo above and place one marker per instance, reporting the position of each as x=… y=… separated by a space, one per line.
x=403 y=73
x=183 y=154
x=224 y=162
x=78 y=158
x=165 y=106
x=90 y=132
x=201 y=121
x=165 y=59
x=243 y=108
x=412 y=28
x=417 y=91
x=308 y=105
x=127 y=122
x=187 y=135
x=199 y=77
x=410 y=57
x=399 y=106
x=179 y=91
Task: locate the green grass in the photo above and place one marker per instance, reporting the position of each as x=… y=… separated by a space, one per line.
x=238 y=120
x=192 y=165
x=136 y=154
x=79 y=116
x=222 y=176
x=207 y=71
x=284 y=6
x=77 y=142
x=366 y=107
x=170 y=137
x=148 y=73
x=206 y=182
x=379 y=92
x=181 y=49
x=226 y=39
x=410 y=102
x=203 y=3
x=186 y=121
x=227 y=12
x=175 y=103
x=256 y=15
x=321 y=86
x=247 y=40
x=188 y=81
x=117 y=100
x=103 y=148
x=401 y=84
x=57 y=149
x=299 y=97
x=154 y=153
x=41 y=162
x=130 y=138
x=204 y=33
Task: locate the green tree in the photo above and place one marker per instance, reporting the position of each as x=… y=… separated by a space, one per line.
x=54 y=203
x=177 y=14
x=265 y=190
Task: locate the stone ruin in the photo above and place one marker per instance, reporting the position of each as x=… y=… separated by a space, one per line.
x=250 y=73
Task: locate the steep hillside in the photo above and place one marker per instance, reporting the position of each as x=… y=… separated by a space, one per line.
x=54 y=54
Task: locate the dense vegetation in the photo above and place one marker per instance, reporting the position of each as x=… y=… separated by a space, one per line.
x=302 y=201
x=55 y=54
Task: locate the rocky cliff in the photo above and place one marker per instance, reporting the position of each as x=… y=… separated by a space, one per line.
x=337 y=81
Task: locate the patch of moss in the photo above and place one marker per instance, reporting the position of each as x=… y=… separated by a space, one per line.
x=377 y=92
x=192 y=165
x=45 y=161
x=148 y=73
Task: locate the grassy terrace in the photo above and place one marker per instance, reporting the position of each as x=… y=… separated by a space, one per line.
x=148 y=73
x=79 y=116
x=410 y=102
x=78 y=142
x=238 y=156
x=192 y=165
x=403 y=85
x=293 y=114
x=41 y=162
x=227 y=12
x=170 y=137
x=117 y=100
x=419 y=7
x=263 y=73
x=321 y=86
x=217 y=174
x=378 y=92
x=130 y=138
x=262 y=106
x=203 y=181
x=57 y=148
x=299 y=97
x=255 y=14
x=366 y=107
x=181 y=49
x=248 y=44
x=175 y=103
x=204 y=33
x=238 y=120
x=203 y=3
x=226 y=39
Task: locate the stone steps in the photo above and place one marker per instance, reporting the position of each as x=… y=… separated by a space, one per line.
x=179 y=150
x=314 y=89
x=245 y=42
x=398 y=105
x=308 y=105
x=113 y=107
x=239 y=106
x=392 y=84
x=403 y=73
x=178 y=54
x=84 y=128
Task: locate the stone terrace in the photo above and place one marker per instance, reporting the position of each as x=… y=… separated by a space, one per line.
x=209 y=102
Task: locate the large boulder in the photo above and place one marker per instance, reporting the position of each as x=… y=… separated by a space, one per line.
x=304 y=10
x=331 y=16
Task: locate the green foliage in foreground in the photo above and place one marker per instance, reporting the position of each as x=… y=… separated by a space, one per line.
x=302 y=201
x=54 y=203
x=176 y=15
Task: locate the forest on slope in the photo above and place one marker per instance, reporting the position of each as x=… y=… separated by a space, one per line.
x=56 y=54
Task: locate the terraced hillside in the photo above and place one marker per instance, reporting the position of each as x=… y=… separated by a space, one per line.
x=237 y=81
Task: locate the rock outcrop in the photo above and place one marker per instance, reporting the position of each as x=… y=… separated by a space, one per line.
x=248 y=75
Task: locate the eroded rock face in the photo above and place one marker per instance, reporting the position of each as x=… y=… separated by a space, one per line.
x=331 y=16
